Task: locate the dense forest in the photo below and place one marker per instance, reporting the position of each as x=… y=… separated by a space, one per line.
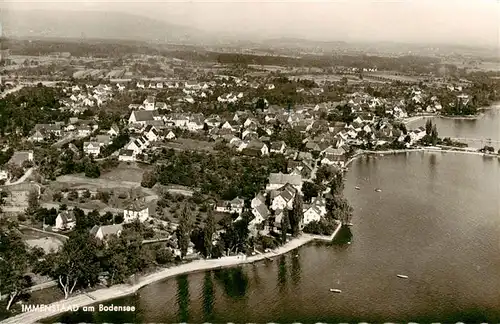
x=28 y=107
x=110 y=49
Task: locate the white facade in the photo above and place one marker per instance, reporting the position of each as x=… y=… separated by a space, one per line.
x=63 y=224
x=280 y=203
x=92 y=148
x=311 y=215
x=131 y=215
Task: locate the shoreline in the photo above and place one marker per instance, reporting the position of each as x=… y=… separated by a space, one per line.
x=420 y=149
x=122 y=290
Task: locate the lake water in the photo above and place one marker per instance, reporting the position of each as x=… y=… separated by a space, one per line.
x=436 y=220
x=485 y=127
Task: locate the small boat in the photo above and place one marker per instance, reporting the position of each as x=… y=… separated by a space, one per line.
x=402 y=276
x=338 y=291
x=349 y=224
x=378 y=190
x=357 y=188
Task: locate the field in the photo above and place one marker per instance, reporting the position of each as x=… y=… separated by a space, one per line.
x=125 y=172
x=45 y=241
x=392 y=77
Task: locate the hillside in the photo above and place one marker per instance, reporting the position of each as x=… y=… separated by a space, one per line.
x=95 y=25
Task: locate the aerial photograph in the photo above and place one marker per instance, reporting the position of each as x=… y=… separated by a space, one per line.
x=249 y=161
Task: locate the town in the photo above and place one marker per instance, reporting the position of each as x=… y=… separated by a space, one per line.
x=138 y=161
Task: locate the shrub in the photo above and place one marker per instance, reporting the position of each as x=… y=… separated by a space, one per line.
x=148 y=179
x=57 y=196
x=164 y=256
x=319 y=228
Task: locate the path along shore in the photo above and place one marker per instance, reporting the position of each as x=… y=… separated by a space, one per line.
x=421 y=149
x=122 y=290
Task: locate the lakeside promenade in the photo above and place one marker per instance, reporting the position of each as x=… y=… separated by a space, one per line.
x=471 y=151
x=117 y=291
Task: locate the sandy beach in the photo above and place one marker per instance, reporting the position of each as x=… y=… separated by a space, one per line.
x=117 y=291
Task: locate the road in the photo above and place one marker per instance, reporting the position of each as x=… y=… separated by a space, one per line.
x=22 y=179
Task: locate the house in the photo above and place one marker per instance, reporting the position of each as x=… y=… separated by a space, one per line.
x=143 y=116
x=177 y=120
x=135 y=146
x=126 y=156
x=333 y=156
x=232 y=206
x=311 y=214
x=160 y=105
x=258 y=200
x=4 y=175
x=19 y=157
x=283 y=198
x=278 y=180
x=140 y=85
x=39 y=135
x=231 y=125
x=195 y=122
x=138 y=210
x=278 y=217
x=113 y=131
x=103 y=232
x=103 y=139
x=151 y=133
x=66 y=220
x=55 y=128
x=149 y=103
x=256 y=148
x=278 y=147
x=261 y=214
x=84 y=130
x=92 y=148
x=170 y=135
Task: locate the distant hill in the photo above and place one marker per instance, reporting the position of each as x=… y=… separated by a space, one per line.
x=95 y=25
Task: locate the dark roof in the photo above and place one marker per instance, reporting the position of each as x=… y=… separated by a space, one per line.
x=145 y=115
x=126 y=152
x=68 y=216
x=262 y=210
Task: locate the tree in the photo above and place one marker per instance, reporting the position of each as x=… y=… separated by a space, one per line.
x=324 y=173
x=125 y=255
x=337 y=183
x=92 y=170
x=57 y=196
x=297 y=214
x=208 y=233
x=33 y=202
x=428 y=127
x=86 y=194
x=285 y=225
x=261 y=104
x=76 y=264
x=184 y=230
x=434 y=135
x=14 y=263
x=148 y=179
x=310 y=190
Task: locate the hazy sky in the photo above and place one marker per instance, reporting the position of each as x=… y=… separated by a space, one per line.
x=474 y=22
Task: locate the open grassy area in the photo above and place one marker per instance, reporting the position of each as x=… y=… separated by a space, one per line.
x=129 y=172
